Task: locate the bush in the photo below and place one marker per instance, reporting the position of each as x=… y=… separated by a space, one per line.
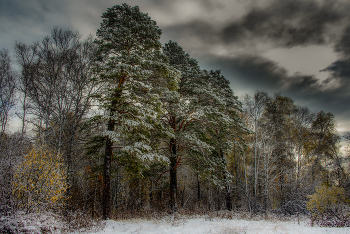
x=40 y=181
x=329 y=207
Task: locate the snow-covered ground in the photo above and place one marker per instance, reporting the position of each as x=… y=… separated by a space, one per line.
x=51 y=223
x=203 y=225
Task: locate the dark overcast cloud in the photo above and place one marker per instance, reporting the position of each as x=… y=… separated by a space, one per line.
x=307 y=90
x=234 y=36
x=340 y=69
x=287 y=23
x=249 y=70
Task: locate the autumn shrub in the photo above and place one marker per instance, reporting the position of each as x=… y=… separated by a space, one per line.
x=40 y=181
x=329 y=207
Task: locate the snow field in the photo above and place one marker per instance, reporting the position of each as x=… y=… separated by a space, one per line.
x=51 y=223
x=215 y=226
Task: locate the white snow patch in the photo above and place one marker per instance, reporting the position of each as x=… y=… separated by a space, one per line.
x=202 y=225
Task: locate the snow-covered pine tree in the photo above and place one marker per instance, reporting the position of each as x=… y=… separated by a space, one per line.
x=224 y=131
x=203 y=101
x=183 y=115
x=134 y=72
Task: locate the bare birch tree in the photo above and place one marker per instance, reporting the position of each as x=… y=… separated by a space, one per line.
x=57 y=78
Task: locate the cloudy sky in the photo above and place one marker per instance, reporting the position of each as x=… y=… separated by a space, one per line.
x=300 y=48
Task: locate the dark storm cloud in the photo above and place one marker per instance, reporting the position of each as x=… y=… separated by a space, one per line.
x=197 y=29
x=25 y=21
x=206 y=3
x=288 y=23
x=30 y=11
x=340 y=69
x=24 y=9
x=284 y=23
x=263 y=73
x=343 y=45
x=301 y=84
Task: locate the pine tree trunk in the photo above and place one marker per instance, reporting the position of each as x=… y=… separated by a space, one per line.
x=106 y=201
x=198 y=189
x=173 y=176
x=228 y=199
x=218 y=200
x=106 y=196
x=227 y=187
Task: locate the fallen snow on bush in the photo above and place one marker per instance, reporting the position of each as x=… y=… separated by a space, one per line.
x=32 y=223
x=203 y=225
x=48 y=222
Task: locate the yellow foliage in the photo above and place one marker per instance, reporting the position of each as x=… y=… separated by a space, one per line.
x=326 y=197
x=40 y=180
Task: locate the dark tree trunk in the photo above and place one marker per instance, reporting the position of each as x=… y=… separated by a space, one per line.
x=106 y=196
x=183 y=196
x=218 y=199
x=198 y=189
x=173 y=176
x=227 y=188
x=228 y=199
x=236 y=179
x=106 y=199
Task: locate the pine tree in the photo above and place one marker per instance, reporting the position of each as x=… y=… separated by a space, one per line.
x=134 y=72
x=198 y=115
x=184 y=115
x=225 y=129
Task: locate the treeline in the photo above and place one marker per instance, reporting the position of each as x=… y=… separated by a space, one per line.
x=291 y=152
x=120 y=123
